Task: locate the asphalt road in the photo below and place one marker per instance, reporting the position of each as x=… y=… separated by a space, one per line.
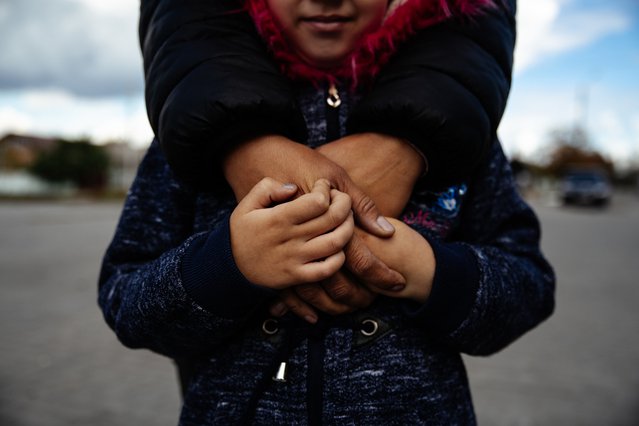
x=61 y=365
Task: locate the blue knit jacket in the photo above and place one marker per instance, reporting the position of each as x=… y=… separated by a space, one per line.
x=169 y=283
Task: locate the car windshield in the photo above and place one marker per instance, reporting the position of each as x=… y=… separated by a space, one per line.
x=585 y=178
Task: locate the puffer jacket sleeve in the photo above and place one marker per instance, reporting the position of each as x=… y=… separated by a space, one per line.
x=445 y=91
x=164 y=287
x=209 y=84
x=492 y=283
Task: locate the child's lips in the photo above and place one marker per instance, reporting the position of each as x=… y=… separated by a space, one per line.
x=327 y=23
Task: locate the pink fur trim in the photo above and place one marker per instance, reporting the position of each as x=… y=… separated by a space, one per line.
x=405 y=19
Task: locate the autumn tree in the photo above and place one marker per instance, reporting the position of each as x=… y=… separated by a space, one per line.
x=572 y=149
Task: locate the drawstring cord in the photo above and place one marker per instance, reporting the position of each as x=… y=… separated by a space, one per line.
x=284 y=352
x=295 y=333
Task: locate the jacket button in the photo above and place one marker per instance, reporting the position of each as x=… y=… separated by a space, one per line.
x=269 y=326
x=369 y=327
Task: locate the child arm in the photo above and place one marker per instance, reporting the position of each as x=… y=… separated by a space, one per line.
x=447 y=105
x=500 y=235
x=488 y=285
x=164 y=286
x=179 y=292
x=492 y=283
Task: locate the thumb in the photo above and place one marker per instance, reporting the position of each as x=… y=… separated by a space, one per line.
x=366 y=212
x=267 y=193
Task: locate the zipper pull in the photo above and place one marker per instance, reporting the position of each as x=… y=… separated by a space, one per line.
x=333 y=99
x=280 y=376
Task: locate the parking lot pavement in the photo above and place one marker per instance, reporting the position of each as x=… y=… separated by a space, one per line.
x=578 y=368
x=61 y=365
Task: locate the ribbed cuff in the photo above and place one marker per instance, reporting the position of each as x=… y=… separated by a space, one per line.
x=454 y=289
x=211 y=277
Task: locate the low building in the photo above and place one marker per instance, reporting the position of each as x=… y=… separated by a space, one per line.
x=19 y=152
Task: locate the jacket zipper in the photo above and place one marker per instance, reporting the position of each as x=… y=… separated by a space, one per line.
x=315 y=379
x=333 y=101
x=316 y=348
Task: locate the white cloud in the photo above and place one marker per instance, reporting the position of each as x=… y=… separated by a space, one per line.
x=534 y=112
x=14 y=121
x=550 y=27
x=530 y=117
x=85 y=47
x=617 y=135
x=50 y=99
x=111 y=6
x=555 y=99
x=63 y=114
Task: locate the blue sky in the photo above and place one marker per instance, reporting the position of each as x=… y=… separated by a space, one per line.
x=577 y=61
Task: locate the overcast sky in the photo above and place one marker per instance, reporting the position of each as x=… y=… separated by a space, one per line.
x=72 y=68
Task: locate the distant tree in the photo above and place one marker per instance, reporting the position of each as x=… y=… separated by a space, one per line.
x=572 y=148
x=80 y=162
x=576 y=137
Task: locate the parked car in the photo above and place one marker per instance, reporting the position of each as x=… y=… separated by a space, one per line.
x=588 y=187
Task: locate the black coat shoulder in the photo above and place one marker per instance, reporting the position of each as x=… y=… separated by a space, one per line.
x=210 y=83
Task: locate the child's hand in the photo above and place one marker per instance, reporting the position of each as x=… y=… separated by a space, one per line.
x=299 y=241
x=408 y=253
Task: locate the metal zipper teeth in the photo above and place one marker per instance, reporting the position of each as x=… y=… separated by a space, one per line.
x=333 y=101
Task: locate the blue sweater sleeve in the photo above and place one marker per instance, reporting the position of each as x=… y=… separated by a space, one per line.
x=151 y=290
x=454 y=286
x=211 y=277
x=492 y=283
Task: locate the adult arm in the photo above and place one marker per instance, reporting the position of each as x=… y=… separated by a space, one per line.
x=445 y=91
x=210 y=84
x=387 y=169
x=165 y=287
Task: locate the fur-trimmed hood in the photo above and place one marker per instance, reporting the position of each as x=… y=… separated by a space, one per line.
x=404 y=18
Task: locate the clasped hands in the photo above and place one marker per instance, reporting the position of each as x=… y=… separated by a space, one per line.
x=385 y=170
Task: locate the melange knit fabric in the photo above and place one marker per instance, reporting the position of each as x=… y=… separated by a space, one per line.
x=169 y=283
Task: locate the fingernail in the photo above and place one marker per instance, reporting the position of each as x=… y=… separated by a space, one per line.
x=385 y=224
x=278 y=309
x=289 y=186
x=311 y=318
x=398 y=288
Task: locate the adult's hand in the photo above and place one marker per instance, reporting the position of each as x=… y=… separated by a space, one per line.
x=387 y=167
x=339 y=296
x=343 y=292
x=383 y=166
x=286 y=161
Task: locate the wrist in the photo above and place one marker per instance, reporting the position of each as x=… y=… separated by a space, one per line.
x=386 y=168
x=211 y=277
x=453 y=291
x=248 y=163
x=419 y=271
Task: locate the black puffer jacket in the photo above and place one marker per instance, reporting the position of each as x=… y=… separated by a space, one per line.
x=210 y=83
